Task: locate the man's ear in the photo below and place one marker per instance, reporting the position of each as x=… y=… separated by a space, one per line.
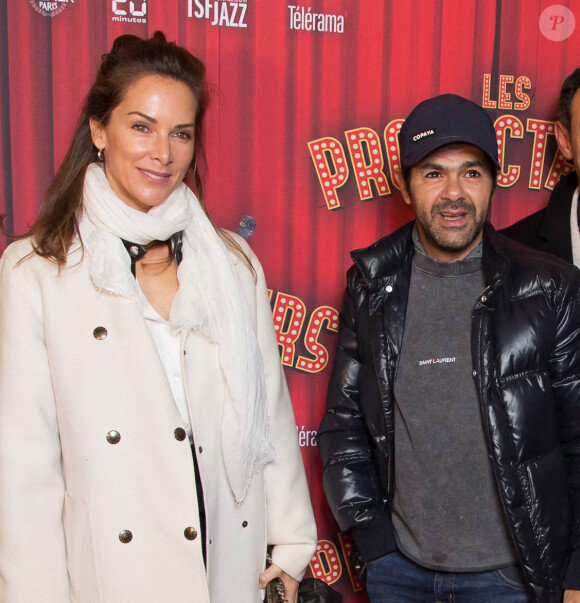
x=98 y=134
x=400 y=181
x=563 y=140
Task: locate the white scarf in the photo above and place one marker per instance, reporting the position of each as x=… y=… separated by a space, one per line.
x=210 y=299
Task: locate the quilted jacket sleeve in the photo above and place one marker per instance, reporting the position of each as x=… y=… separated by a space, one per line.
x=350 y=478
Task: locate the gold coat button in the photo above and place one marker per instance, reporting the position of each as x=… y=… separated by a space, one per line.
x=100 y=333
x=113 y=437
x=190 y=533
x=180 y=434
x=125 y=536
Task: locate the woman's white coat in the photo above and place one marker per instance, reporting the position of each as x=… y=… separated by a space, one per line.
x=68 y=496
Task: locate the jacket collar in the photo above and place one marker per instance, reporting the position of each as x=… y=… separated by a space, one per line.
x=391 y=254
x=385 y=257
x=557 y=217
x=496 y=255
x=555 y=226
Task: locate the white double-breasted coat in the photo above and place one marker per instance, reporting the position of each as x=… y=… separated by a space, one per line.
x=97 y=489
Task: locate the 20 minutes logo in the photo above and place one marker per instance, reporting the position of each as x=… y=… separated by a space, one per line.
x=129 y=11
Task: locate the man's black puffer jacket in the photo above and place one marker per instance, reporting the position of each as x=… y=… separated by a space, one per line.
x=526 y=363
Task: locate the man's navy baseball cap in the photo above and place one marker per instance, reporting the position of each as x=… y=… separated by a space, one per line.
x=443 y=120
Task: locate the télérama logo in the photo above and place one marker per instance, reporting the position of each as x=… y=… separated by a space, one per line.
x=50 y=9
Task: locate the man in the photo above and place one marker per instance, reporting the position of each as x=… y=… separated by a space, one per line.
x=555 y=228
x=451 y=439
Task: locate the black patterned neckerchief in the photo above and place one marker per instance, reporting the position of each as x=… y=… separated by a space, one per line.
x=137 y=251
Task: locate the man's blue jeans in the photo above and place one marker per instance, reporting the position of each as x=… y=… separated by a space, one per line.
x=395 y=579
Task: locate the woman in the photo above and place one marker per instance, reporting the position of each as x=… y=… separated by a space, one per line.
x=130 y=329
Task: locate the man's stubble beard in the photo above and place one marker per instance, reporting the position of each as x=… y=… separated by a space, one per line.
x=451 y=240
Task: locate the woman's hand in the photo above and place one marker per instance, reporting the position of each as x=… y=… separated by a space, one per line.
x=290 y=585
x=572 y=596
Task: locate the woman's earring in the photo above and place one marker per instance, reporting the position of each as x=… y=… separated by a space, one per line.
x=100 y=155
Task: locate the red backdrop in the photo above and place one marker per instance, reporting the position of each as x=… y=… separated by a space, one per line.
x=306 y=101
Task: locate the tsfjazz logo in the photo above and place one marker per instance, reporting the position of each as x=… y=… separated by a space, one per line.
x=50 y=9
x=129 y=11
x=224 y=13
